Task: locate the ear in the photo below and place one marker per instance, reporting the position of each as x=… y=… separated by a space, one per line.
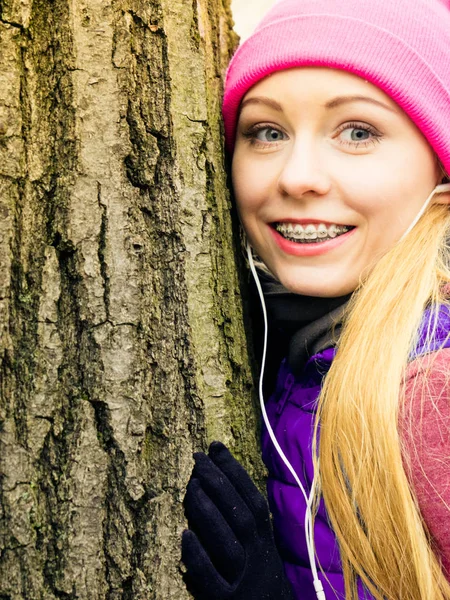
x=442 y=194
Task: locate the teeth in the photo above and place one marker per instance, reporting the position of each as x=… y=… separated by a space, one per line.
x=311 y=231
x=322 y=231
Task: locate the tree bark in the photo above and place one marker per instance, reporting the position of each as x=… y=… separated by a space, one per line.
x=122 y=343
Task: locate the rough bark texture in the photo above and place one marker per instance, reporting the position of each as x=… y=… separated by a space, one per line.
x=122 y=348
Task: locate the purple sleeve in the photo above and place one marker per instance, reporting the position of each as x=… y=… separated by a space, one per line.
x=424 y=427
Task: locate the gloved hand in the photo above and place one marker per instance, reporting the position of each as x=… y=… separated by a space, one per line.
x=229 y=550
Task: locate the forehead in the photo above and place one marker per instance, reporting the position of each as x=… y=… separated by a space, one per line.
x=317 y=84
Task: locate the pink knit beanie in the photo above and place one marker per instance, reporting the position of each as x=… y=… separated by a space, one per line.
x=401 y=46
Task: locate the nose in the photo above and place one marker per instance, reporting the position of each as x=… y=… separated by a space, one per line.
x=303 y=170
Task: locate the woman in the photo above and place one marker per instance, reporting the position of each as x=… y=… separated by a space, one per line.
x=337 y=115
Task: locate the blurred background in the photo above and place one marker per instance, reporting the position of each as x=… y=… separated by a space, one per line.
x=247 y=13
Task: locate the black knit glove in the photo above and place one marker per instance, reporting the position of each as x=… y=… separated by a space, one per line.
x=229 y=550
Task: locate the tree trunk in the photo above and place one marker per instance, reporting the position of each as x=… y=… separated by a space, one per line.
x=122 y=344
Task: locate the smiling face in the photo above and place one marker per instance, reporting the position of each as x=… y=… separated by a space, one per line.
x=324 y=187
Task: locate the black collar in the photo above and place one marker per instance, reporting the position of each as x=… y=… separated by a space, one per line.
x=310 y=323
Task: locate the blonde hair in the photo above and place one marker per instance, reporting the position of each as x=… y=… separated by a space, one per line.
x=361 y=474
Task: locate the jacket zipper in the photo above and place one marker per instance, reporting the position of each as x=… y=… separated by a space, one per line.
x=287 y=390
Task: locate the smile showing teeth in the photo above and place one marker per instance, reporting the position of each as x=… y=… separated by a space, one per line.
x=311 y=233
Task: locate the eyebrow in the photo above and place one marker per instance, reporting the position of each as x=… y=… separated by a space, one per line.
x=339 y=100
x=334 y=103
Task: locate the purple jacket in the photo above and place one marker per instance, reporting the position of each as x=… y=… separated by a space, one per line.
x=291 y=412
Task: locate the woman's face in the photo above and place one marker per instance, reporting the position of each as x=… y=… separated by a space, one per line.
x=326 y=185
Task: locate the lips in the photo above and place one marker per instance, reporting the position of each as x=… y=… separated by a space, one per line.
x=312 y=244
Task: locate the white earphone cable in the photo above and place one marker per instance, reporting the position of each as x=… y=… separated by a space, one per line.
x=308 y=515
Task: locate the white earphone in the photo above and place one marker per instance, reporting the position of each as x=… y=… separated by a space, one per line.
x=308 y=498
x=439 y=189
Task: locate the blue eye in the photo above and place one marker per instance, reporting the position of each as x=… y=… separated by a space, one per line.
x=268 y=134
x=360 y=135
x=264 y=135
x=359 y=138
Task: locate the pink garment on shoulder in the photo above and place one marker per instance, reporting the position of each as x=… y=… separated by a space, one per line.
x=424 y=427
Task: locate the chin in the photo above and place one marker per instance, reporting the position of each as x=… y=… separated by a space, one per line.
x=322 y=288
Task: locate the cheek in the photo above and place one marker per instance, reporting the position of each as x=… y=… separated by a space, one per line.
x=371 y=191
x=244 y=201
x=250 y=187
x=397 y=180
